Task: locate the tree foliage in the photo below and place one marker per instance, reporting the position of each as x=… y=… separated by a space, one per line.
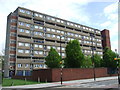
x=53 y=59
x=97 y=60
x=87 y=62
x=74 y=55
x=108 y=58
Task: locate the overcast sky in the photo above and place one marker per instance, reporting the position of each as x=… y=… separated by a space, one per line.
x=102 y=14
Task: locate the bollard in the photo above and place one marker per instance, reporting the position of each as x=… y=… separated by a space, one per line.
x=25 y=80
x=46 y=80
x=38 y=79
x=12 y=83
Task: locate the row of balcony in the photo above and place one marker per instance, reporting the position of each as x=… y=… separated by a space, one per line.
x=54 y=20
x=42 y=42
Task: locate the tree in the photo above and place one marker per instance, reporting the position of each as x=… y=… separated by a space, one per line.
x=74 y=55
x=53 y=59
x=108 y=58
x=97 y=60
x=87 y=62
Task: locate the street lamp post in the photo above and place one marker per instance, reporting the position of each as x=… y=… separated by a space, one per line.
x=61 y=61
x=92 y=35
x=117 y=67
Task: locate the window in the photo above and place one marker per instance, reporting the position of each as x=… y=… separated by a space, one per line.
x=58 y=37
x=19 y=65
x=58 y=48
x=62 y=32
x=48 y=47
x=79 y=26
x=53 y=30
x=53 y=19
x=68 y=33
x=40 y=15
x=40 y=46
x=41 y=52
x=28 y=12
x=36 y=27
x=48 y=29
x=13 y=20
x=21 y=30
x=36 y=45
x=80 y=41
x=76 y=35
x=48 y=35
x=27 y=31
x=40 y=65
x=40 y=33
x=26 y=65
x=63 y=38
x=27 y=25
x=40 y=27
x=63 y=48
x=12 y=41
x=72 y=34
x=20 y=51
x=12 y=48
x=58 y=31
x=53 y=36
x=36 y=14
x=21 y=44
x=71 y=24
x=48 y=18
x=13 y=34
x=58 y=20
x=36 y=33
x=54 y=47
x=21 y=10
x=63 y=54
x=36 y=52
x=21 y=23
x=83 y=27
x=36 y=65
x=68 y=23
x=62 y=21
x=75 y=25
x=27 y=44
x=68 y=39
x=27 y=51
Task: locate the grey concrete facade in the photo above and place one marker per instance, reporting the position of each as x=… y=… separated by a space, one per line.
x=30 y=35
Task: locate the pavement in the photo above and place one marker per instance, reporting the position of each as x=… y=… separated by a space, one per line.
x=64 y=83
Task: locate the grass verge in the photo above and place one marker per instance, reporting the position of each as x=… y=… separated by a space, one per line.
x=15 y=82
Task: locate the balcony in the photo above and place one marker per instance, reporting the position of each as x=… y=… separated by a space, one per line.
x=25 y=20
x=23 y=61
x=25 y=13
x=24 y=40
x=49 y=43
x=38 y=16
x=23 y=54
x=24 y=34
x=86 y=48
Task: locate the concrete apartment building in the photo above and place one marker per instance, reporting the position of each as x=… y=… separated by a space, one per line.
x=31 y=34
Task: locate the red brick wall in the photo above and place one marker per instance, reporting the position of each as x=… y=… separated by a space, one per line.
x=53 y=75
x=43 y=74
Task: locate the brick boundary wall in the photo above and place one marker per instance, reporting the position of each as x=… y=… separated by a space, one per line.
x=53 y=75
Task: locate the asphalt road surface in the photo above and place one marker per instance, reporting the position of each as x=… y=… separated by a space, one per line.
x=96 y=84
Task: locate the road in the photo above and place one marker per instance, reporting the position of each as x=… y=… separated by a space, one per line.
x=96 y=84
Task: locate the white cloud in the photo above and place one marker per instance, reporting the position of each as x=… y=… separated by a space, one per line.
x=111 y=13
x=106 y=24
